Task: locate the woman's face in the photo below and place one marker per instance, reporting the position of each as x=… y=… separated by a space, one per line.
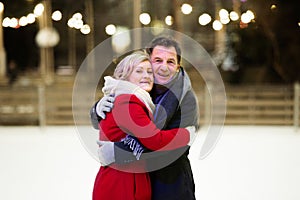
x=142 y=75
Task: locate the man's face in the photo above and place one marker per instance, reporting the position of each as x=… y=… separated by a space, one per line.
x=164 y=63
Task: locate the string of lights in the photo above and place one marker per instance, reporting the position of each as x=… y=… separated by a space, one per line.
x=75 y=21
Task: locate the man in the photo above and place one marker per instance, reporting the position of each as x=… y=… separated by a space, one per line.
x=176 y=106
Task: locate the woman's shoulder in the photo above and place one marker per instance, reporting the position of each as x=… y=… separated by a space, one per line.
x=127 y=98
x=124 y=102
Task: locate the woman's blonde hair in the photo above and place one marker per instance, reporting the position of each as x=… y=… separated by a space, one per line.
x=126 y=65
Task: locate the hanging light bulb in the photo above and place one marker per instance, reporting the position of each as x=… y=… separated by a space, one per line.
x=145 y=18
x=186 y=9
x=217 y=25
x=204 y=19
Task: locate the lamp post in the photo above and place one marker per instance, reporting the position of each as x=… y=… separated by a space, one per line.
x=220 y=36
x=2 y=50
x=47 y=33
x=72 y=48
x=136 y=24
x=90 y=43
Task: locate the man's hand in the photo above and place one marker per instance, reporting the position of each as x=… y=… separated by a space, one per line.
x=105 y=105
x=106 y=152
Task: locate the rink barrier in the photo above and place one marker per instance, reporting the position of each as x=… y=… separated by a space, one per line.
x=256 y=105
x=246 y=105
x=57 y=104
x=41 y=105
x=19 y=106
x=296 y=105
x=260 y=105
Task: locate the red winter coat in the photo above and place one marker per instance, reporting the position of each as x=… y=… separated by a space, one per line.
x=130 y=115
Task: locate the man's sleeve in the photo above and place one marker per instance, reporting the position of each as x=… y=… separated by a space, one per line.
x=130 y=150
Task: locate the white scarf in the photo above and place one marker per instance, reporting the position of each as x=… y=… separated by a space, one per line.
x=118 y=87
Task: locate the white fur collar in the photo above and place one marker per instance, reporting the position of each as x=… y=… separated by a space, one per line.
x=118 y=87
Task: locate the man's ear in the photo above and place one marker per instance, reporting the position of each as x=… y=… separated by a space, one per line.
x=178 y=68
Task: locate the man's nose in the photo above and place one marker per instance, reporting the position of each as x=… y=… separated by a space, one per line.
x=164 y=66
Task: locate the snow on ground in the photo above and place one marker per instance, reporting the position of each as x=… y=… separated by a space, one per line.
x=248 y=162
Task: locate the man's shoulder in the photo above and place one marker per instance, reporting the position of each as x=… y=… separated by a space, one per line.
x=190 y=94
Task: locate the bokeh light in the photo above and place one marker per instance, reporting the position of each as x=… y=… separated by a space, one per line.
x=39 y=9
x=31 y=18
x=145 y=18
x=169 y=20
x=247 y=17
x=23 y=21
x=110 y=29
x=1 y=7
x=217 y=25
x=234 y=16
x=85 y=29
x=204 y=19
x=186 y=9
x=57 y=15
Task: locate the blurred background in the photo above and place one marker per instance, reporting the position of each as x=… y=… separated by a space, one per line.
x=255 y=45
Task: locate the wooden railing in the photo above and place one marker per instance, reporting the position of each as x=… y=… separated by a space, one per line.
x=296 y=105
x=245 y=105
x=260 y=105
x=42 y=105
x=19 y=106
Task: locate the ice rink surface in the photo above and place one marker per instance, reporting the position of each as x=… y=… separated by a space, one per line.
x=248 y=163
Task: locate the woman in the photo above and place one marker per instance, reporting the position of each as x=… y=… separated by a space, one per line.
x=132 y=115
